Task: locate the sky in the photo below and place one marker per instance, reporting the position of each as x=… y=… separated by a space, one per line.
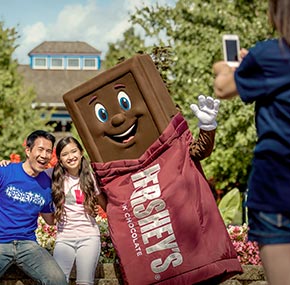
x=97 y=22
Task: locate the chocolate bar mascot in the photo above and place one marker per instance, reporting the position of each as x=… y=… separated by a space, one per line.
x=163 y=219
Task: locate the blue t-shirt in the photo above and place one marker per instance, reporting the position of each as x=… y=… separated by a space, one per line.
x=264 y=78
x=22 y=198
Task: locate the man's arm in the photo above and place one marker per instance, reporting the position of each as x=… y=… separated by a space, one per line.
x=48 y=218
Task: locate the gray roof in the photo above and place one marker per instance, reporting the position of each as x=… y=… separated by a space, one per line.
x=64 y=47
x=50 y=85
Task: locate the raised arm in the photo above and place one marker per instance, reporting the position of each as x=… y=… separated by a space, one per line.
x=206 y=112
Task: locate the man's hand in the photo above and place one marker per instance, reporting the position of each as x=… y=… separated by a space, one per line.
x=206 y=112
x=4 y=162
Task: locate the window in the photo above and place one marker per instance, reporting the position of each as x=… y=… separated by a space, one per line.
x=90 y=63
x=57 y=63
x=73 y=63
x=40 y=62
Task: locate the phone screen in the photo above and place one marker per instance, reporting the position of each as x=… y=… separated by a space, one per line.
x=231 y=49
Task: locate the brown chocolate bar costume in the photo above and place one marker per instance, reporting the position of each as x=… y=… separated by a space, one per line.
x=163 y=219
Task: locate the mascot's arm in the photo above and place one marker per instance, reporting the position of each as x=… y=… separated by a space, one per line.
x=206 y=113
x=203 y=146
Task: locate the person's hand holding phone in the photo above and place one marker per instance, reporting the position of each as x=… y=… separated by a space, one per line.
x=243 y=53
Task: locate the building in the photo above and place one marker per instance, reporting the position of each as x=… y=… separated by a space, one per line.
x=55 y=68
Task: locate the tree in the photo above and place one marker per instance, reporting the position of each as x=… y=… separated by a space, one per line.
x=193 y=29
x=124 y=48
x=17 y=119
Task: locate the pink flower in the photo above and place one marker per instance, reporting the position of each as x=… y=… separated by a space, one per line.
x=247 y=251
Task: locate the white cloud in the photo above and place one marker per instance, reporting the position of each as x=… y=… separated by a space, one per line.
x=132 y=4
x=30 y=38
x=94 y=22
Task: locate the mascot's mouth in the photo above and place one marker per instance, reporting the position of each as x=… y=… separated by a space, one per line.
x=126 y=136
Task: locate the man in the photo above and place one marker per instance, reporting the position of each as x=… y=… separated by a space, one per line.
x=25 y=192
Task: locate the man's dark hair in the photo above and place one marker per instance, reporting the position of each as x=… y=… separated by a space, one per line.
x=39 y=134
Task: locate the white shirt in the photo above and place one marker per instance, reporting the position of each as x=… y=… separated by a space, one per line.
x=77 y=223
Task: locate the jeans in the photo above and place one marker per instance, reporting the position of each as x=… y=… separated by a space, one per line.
x=85 y=252
x=34 y=260
x=269 y=228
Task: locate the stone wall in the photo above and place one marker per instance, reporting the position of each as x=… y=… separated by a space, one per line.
x=109 y=274
x=106 y=274
x=252 y=275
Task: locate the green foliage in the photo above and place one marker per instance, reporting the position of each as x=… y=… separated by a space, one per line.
x=17 y=119
x=230 y=208
x=124 y=49
x=193 y=29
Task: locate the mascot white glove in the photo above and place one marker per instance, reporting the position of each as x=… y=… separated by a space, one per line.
x=206 y=112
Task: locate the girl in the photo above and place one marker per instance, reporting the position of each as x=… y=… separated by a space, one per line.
x=263 y=77
x=75 y=195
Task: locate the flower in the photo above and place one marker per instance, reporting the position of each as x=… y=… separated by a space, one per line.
x=101 y=213
x=247 y=251
x=108 y=254
x=53 y=160
x=45 y=234
x=14 y=157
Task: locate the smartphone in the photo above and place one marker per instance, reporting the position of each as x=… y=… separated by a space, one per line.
x=231 y=49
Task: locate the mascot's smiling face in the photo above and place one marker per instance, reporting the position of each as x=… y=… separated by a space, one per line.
x=120 y=122
x=122 y=111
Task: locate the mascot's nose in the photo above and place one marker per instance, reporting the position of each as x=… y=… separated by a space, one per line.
x=118 y=120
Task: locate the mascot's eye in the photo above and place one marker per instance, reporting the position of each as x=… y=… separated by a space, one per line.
x=124 y=101
x=101 y=113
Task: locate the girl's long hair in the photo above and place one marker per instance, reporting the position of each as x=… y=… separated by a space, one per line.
x=279 y=15
x=87 y=183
